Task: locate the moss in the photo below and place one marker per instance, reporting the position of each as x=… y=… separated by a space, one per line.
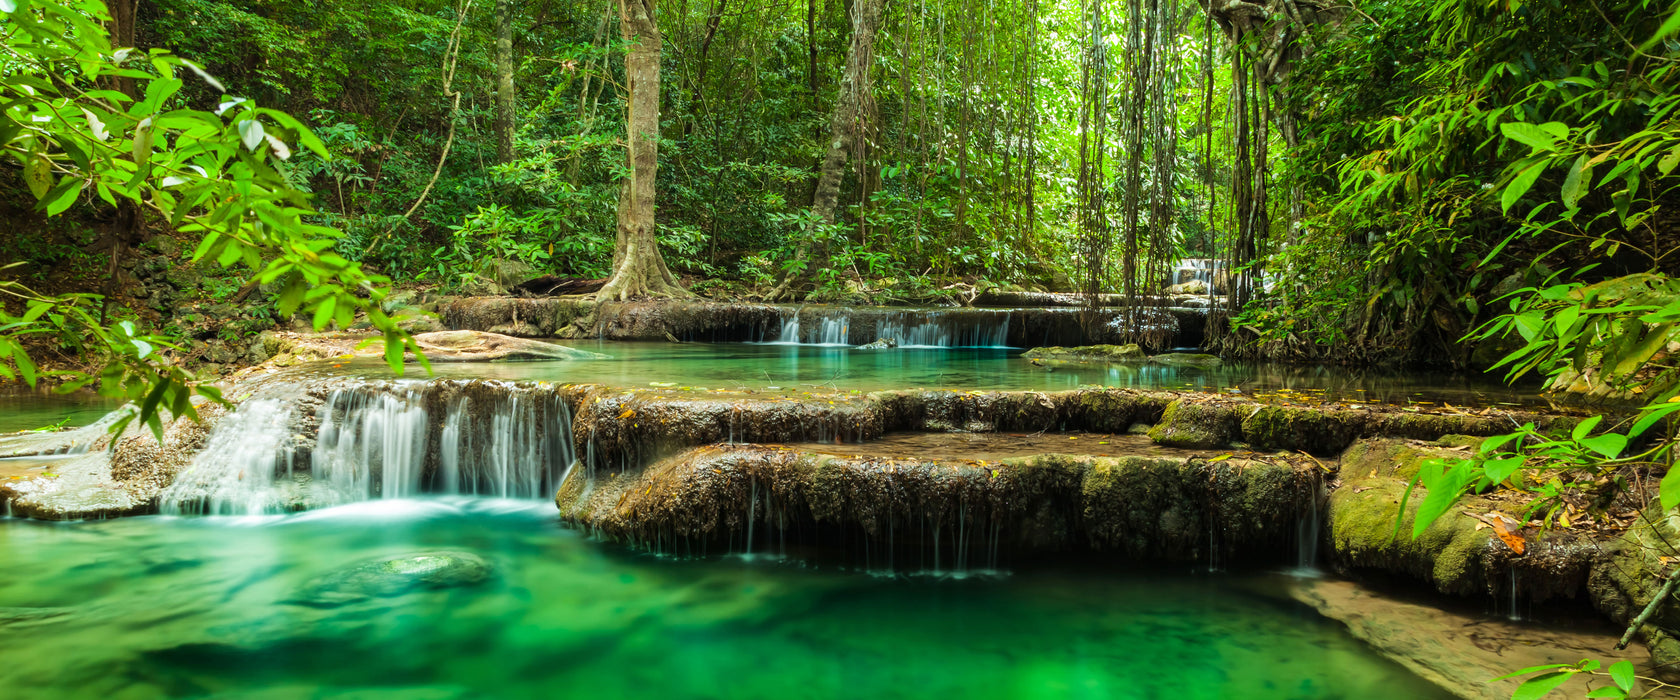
x=1185 y=359
x=1320 y=431
x=1110 y=410
x=1452 y=554
x=1196 y=425
x=1088 y=353
x=1632 y=571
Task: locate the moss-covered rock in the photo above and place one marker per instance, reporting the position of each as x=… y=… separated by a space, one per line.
x=1197 y=425
x=1185 y=359
x=1623 y=585
x=1088 y=353
x=1138 y=507
x=1452 y=555
x=1318 y=430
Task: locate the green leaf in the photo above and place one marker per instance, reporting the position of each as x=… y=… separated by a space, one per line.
x=1530 y=135
x=62 y=196
x=37 y=173
x=1608 y=691
x=1669 y=490
x=1666 y=165
x=1622 y=673
x=1584 y=428
x=324 y=312
x=1578 y=173
x=1520 y=185
x=1498 y=470
x=1652 y=416
x=1669 y=26
x=1540 y=686
x=1610 y=445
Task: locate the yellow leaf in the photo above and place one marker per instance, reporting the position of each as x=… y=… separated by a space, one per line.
x=627 y=413
x=1221 y=458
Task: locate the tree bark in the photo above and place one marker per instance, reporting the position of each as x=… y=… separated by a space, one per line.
x=845 y=124
x=504 y=81
x=638 y=267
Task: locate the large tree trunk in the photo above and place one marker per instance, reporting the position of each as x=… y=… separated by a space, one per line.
x=504 y=81
x=638 y=268
x=844 y=126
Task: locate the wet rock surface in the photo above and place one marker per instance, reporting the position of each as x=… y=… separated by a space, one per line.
x=1140 y=507
x=393 y=576
x=1088 y=353
x=1462 y=651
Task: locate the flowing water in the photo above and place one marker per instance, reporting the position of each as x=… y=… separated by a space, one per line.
x=768 y=367
x=158 y=606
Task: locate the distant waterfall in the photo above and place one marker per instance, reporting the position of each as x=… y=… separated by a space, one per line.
x=911 y=328
x=380 y=440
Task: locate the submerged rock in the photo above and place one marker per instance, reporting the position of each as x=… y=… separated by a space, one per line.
x=475 y=346
x=1185 y=359
x=393 y=576
x=1088 y=353
x=1460 y=651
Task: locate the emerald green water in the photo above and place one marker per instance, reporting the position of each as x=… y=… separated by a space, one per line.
x=31 y=411
x=156 y=607
x=782 y=367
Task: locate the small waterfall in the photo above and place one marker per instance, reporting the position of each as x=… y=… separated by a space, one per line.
x=235 y=472
x=911 y=328
x=1196 y=270
x=380 y=440
x=371 y=445
x=939 y=329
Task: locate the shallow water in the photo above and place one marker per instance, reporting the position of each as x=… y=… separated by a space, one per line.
x=31 y=411
x=803 y=367
x=190 y=607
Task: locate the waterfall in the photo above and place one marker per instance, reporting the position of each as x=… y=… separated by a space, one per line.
x=379 y=440
x=371 y=445
x=938 y=329
x=912 y=328
x=235 y=472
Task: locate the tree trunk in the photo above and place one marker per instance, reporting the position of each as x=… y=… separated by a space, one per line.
x=638 y=268
x=844 y=126
x=504 y=81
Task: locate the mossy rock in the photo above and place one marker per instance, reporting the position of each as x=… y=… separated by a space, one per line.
x=1196 y=425
x=1088 y=353
x=1452 y=554
x=1622 y=585
x=1186 y=359
x=1318 y=431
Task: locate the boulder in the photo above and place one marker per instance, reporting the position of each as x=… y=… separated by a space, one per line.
x=1186 y=359
x=1197 y=425
x=393 y=576
x=880 y=344
x=1088 y=353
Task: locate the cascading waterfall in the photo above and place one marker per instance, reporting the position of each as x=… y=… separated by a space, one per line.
x=935 y=329
x=235 y=473
x=920 y=328
x=381 y=440
x=371 y=444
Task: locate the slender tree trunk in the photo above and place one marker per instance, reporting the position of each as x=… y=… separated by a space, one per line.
x=128 y=228
x=504 y=81
x=638 y=267
x=845 y=126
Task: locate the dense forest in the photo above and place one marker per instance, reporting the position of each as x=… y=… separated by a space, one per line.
x=1372 y=181
x=1460 y=185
